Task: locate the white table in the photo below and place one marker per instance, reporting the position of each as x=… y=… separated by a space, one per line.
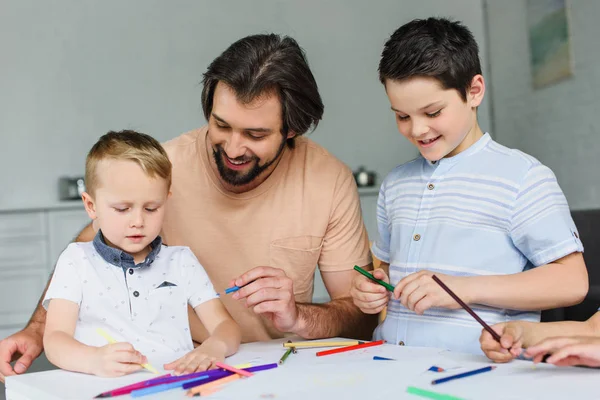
x=351 y=375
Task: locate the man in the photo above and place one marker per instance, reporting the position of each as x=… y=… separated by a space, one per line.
x=259 y=205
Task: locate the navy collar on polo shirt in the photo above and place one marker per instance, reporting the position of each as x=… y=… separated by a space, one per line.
x=121 y=259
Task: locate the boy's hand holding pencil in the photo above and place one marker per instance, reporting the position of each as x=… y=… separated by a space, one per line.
x=116 y=359
x=368 y=294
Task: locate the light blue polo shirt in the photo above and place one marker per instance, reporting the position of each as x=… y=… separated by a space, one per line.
x=489 y=210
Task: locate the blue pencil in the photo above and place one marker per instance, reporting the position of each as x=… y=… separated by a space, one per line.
x=463 y=375
x=383 y=358
x=163 y=387
x=232 y=289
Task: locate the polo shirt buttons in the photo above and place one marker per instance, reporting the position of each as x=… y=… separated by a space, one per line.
x=401 y=343
x=417 y=237
x=431 y=186
x=136 y=293
x=130 y=271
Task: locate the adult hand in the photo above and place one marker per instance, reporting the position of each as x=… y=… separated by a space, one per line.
x=24 y=347
x=418 y=292
x=511 y=342
x=369 y=296
x=270 y=292
x=567 y=351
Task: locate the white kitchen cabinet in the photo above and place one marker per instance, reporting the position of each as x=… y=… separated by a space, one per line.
x=30 y=242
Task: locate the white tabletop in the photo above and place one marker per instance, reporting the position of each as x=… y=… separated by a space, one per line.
x=350 y=375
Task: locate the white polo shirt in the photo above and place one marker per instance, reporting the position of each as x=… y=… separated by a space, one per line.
x=145 y=305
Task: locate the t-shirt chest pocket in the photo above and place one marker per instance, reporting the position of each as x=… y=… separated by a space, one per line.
x=167 y=301
x=298 y=257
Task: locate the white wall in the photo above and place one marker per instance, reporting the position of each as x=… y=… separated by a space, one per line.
x=557 y=124
x=72 y=69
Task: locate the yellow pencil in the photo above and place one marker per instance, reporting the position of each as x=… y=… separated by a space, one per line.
x=322 y=344
x=111 y=340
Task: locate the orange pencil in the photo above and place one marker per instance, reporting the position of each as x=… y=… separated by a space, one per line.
x=211 y=386
x=350 y=348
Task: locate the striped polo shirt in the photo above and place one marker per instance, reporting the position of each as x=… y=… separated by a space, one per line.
x=489 y=210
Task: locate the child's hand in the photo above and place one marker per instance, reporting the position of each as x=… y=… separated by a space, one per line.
x=201 y=358
x=419 y=292
x=369 y=296
x=567 y=351
x=116 y=359
x=511 y=341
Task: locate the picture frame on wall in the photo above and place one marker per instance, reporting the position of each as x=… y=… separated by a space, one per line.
x=550 y=49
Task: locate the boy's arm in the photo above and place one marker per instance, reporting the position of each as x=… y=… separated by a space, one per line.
x=61 y=348
x=225 y=333
x=28 y=343
x=563 y=282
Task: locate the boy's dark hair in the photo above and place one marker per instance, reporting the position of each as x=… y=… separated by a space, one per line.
x=258 y=64
x=435 y=48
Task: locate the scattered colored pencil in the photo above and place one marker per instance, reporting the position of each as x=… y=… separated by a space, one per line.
x=161 y=388
x=430 y=395
x=323 y=344
x=285 y=355
x=110 y=339
x=436 y=369
x=467 y=308
x=383 y=358
x=233 y=369
x=371 y=277
x=350 y=348
x=463 y=375
x=205 y=389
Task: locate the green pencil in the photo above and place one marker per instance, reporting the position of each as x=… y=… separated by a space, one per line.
x=371 y=277
x=431 y=395
x=285 y=355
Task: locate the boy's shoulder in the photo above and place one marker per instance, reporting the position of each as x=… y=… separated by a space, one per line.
x=406 y=171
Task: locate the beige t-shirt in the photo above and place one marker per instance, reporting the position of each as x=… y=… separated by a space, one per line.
x=307 y=212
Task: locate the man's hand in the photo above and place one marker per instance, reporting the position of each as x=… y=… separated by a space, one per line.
x=369 y=296
x=24 y=347
x=270 y=292
x=511 y=341
x=567 y=351
x=419 y=292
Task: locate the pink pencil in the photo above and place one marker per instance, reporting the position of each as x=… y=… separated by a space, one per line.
x=233 y=369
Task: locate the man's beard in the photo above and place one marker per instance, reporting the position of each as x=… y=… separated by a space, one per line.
x=240 y=178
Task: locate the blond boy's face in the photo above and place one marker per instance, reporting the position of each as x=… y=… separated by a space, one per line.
x=436 y=121
x=128 y=206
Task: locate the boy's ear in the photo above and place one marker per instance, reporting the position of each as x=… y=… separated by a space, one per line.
x=476 y=91
x=88 y=203
x=290 y=134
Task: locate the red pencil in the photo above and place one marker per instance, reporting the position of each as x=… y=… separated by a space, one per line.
x=350 y=348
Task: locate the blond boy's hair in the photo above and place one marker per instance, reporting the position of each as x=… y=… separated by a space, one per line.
x=140 y=148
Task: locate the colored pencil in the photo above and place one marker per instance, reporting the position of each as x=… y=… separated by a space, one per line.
x=232 y=289
x=323 y=344
x=350 y=348
x=110 y=339
x=382 y=358
x=430 y=395
x=285 y=355
x=160 y=388
x=463 y=375
x=206 y=387
x=233 y=369
x=371 y=277
x=167 y=379
x=467 y=308
x=224 y=373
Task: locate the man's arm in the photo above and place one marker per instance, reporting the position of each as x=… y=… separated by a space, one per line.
x=339 y=317
x=27 y=344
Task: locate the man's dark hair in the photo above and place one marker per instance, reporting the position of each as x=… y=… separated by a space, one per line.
x=257 y=64
x=435 y=48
